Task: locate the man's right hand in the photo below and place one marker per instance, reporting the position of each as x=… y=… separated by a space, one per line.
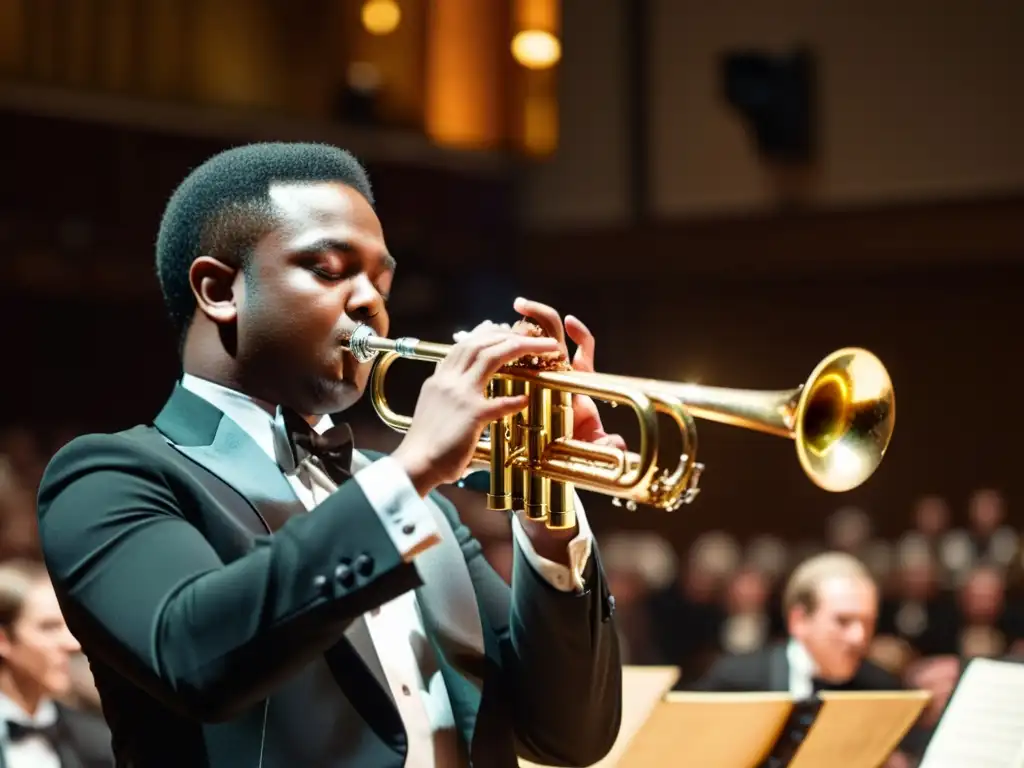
x=453 y=408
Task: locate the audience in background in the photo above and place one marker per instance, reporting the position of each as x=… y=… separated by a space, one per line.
x=37 y=729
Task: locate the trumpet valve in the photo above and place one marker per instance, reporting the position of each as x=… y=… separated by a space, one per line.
x=537 y=433
x=562 y=505
x=499 y=496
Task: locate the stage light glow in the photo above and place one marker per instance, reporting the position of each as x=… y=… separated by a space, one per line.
x=381 y=17
x=536 y=49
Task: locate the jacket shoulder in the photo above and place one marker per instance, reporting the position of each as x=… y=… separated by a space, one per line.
x=131 y=450
x=138 y=441
x=873 y=677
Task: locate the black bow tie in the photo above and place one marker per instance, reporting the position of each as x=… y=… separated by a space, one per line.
x=824 y=685
x=332 y=449
x=18 y=731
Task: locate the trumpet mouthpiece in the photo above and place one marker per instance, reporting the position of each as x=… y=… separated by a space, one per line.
x=358 y=343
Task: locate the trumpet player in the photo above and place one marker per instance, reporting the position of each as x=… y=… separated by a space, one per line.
x=250 y=589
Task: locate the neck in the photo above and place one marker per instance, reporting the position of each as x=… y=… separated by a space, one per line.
x=27 y=694
x=204 y=357
x=265 y=400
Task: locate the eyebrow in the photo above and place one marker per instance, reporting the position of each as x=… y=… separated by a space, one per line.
x=331 y=244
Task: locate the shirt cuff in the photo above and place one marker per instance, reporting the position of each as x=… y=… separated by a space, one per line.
x=561 y=577
x=401 y=510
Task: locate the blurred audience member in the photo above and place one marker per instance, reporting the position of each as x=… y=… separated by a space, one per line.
x=747 y=626
x=21 y=447
x=831 y=607
x=35 y=672
x=987 y=541
x=769 y=555
x=689 y=613
x=931 y=518
x=917 y=610
x=983 y=620
x=636 y=565
x=893 y=654
x=938 y=675
x=995 y=543
x=19 y=534
x=848 y=530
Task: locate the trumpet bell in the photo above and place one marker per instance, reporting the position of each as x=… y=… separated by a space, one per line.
x=844 y=419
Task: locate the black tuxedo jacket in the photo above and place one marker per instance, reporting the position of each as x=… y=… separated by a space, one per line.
x=221 y=620
x=83 y=740
x=768 y=670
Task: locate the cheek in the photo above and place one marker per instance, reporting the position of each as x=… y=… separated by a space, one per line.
x=291 y=312
x=33 y=658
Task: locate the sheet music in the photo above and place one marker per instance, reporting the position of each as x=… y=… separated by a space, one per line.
x=983 y=725
x=709 y=730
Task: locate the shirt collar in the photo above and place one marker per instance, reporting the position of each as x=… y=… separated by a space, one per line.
x=258 y=418
x=800 y=661
x=45 y=714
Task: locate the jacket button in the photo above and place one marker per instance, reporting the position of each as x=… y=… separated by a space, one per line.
x=610 y=605
x=364 y=565
x=344 y=576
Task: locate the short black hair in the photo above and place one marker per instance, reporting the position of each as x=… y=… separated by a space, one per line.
x=226 y=200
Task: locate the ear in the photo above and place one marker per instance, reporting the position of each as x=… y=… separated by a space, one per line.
x=795 y=620
x=214 y=284
x=5 y=644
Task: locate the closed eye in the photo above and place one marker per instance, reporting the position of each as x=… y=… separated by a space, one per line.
x=325 y=274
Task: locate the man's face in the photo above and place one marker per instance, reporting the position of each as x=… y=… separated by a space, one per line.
x=309 y=283
x=39 y=646
x=838 y=632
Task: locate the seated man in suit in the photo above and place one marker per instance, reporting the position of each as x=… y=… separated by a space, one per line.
x=35 y=657
x=831 y=606
x=249 y=589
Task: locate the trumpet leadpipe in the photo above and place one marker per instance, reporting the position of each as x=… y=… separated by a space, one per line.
x=365 y=345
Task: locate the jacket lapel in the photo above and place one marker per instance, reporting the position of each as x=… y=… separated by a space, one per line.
x=201 y=432
x=451 y=616
x=205 y=435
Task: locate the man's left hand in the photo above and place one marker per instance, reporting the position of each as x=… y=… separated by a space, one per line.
x=587 y=425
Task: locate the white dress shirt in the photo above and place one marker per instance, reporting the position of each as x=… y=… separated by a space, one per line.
x=802 y=670
x=32 y=751
x=396 y=628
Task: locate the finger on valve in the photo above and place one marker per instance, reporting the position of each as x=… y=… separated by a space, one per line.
x=555 y=360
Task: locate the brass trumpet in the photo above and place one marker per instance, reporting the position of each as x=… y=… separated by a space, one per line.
x=841 y=420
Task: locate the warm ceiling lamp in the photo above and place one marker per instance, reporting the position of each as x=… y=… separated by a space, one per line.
x=536 y=49
x=381 y=17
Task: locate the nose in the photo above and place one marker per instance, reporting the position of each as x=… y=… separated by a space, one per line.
x=71 y=644
x=857 y=634
x=364 y=300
